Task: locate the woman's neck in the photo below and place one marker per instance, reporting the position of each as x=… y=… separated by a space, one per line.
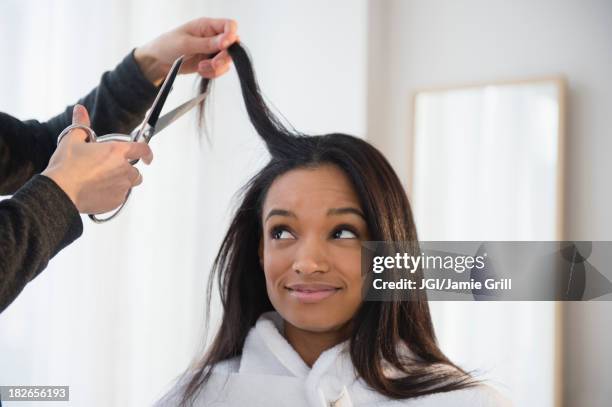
x=309 y=345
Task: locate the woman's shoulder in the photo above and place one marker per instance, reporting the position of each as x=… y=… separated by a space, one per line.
x=479 y=395
x=476 y=393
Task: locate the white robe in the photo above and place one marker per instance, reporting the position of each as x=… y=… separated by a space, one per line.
x=271 y=373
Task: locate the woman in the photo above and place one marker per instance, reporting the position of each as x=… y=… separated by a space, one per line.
x=295 y=329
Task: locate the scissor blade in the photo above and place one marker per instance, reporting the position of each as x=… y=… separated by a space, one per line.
x=158 y=104
x=173 y=115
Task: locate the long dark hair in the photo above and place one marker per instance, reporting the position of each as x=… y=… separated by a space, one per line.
x=379 y=327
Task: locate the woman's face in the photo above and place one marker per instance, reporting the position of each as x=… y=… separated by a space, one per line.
x=310 y=251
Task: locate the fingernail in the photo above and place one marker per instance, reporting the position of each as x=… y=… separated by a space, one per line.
x=76 y=112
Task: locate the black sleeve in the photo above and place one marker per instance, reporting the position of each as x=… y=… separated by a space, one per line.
x=35 y=224
x=40 y=219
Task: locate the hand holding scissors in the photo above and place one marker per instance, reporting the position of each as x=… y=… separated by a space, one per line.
x=97 y=176
x=152 y=125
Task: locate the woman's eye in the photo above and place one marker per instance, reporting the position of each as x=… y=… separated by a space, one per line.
x=344 y=234
x=279 y=234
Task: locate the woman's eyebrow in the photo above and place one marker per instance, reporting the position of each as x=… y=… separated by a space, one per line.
x=332 y=211
x=346 y=210
x=280 y=212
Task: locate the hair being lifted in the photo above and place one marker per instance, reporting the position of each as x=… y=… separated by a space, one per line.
x=379 y=328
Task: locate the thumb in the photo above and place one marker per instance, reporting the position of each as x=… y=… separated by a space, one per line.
x=80 y=115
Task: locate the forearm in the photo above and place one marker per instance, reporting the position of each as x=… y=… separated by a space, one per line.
x=35 y=224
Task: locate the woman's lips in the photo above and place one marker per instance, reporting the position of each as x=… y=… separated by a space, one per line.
x=310 y=293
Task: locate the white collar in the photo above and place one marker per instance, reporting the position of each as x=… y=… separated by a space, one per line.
x=332 y=378
x=268 y=333
x=266 y=351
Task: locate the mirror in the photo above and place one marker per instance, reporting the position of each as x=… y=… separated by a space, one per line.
x=487 y=161
x=488 y=165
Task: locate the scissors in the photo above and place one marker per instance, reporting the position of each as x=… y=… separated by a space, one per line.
x=151 y=125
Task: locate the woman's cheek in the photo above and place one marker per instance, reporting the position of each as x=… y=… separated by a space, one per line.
x=350 y=268
x=348 y=262
x=276 y=263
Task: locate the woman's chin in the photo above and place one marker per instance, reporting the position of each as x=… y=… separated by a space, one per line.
x=318 y=322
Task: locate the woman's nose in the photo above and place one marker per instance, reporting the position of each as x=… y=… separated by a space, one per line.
x=311 y=257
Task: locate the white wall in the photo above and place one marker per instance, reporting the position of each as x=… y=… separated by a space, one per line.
x=422 y=43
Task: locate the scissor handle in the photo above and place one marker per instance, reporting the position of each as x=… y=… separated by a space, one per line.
x=104 y=139
x=91 y=135
x=93 y=138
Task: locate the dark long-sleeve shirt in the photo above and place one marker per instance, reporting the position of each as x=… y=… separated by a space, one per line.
x=40 y=220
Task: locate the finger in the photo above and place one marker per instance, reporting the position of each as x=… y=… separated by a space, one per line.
x=79 y=116
x=205 y=68
x=228 y=39
x=231 y=26
x=207 y=36
x=190 y=63
x=211 y=72
x=206 y=27
x=138 y=150
x=204 y=45
x=220 y=60
x=220 y=71
x=134 y=176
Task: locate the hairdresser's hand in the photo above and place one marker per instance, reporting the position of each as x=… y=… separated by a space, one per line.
x=204 y=43
x=95 y=176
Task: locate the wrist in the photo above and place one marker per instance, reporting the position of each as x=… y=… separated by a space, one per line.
x=149 y=65
x=57 y=177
